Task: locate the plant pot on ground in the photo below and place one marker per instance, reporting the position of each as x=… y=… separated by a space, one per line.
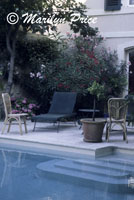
x=92 y=128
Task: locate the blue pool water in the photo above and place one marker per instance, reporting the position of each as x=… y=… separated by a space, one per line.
x=25 y=176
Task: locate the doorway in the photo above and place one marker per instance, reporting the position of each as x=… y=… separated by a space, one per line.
x=131 y=72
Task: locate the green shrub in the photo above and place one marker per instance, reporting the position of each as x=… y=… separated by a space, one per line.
x=74 y=64
x=76 y=69
x=33 y=55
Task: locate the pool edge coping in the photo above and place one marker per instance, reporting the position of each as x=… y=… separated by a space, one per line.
x=98 y=152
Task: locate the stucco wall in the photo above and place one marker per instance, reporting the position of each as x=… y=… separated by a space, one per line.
x=115 y=23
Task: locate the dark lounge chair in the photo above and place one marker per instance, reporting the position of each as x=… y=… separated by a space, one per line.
x=62 y=107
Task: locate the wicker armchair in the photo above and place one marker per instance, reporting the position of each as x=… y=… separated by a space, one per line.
x=117 y=110
x=9 y=117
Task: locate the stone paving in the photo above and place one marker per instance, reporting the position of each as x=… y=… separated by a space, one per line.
x=68 y=136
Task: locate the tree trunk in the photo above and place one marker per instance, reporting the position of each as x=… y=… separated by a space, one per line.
x=94 y=107
x=11 y=44
x=10 y=75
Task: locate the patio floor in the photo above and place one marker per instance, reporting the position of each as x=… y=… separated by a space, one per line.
x=69 y=136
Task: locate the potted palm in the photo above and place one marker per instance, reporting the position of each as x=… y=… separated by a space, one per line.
x=93 y=128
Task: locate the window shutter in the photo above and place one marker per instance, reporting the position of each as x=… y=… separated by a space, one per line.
x=111 y=5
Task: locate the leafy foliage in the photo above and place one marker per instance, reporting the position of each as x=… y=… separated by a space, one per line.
x=40 y=9
x=97 y=90
x=84 y=65
x=77 y=67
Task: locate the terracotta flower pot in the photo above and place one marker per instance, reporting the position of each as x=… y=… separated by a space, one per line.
x=93 y=130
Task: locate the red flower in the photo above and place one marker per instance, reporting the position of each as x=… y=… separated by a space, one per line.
x=68 y=63
x=66 y=86
x=82 y=86
x=90 y=54
x=96 y=61
x=60 y=85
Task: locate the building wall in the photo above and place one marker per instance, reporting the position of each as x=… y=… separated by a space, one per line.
x=116 y=26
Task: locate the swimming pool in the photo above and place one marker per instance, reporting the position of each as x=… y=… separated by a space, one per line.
x=30 y=176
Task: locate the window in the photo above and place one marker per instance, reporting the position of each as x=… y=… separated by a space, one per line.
x=131 y=2
x=111 y=5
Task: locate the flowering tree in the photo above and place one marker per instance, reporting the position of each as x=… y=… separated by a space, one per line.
x=84 y=65
x=77 y=68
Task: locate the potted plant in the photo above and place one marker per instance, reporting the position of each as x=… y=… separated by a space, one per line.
x=93 y=129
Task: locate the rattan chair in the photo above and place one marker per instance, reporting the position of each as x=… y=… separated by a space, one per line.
x=117 y=110
x=9 y=117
